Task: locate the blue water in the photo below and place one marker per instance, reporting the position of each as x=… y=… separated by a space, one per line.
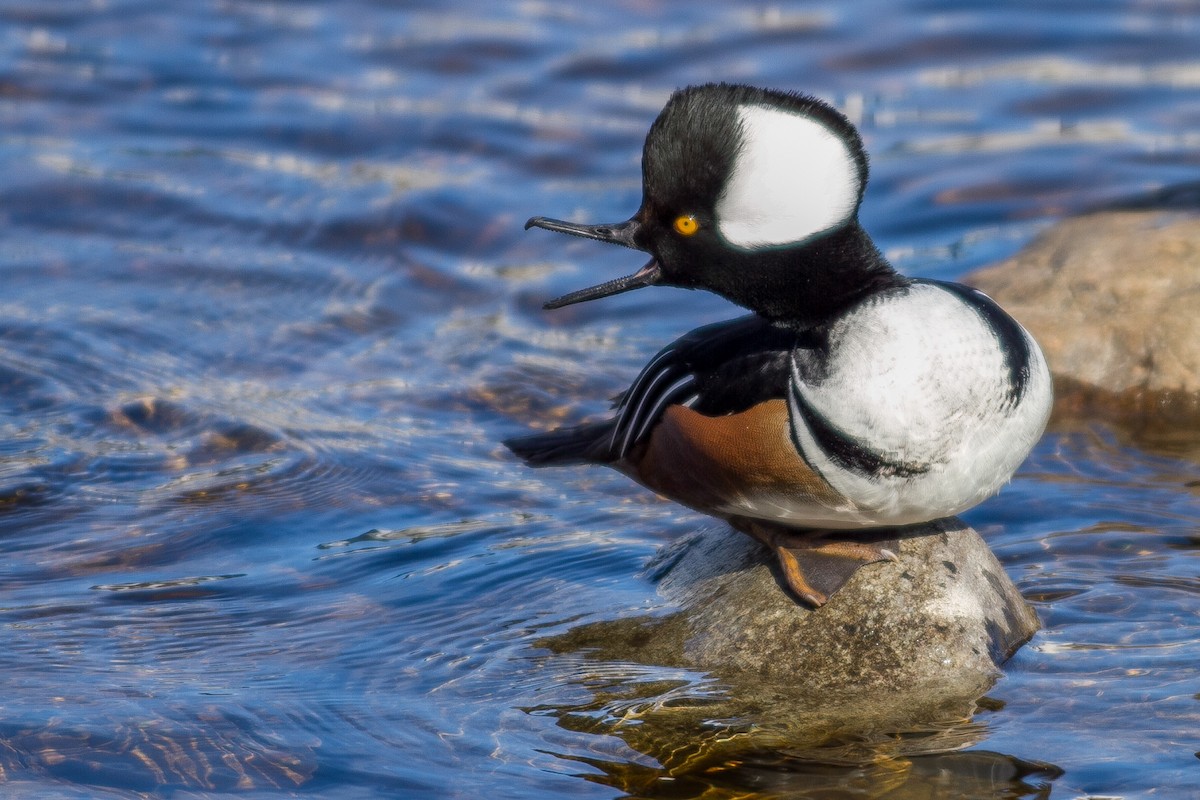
x=268 y=309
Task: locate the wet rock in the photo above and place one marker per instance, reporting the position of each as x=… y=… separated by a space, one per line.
x=893 y=666
x=931 y=626
x=1112 y=298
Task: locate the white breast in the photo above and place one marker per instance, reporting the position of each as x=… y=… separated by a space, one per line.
x=917 y=383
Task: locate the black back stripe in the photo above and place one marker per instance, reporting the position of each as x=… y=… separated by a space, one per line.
x=1012 y=340
x=718 y=369
x=649 y=373
x=661 y=383
x=641 y=416
x=634 y=399
x=680 y=389
x=848 y=452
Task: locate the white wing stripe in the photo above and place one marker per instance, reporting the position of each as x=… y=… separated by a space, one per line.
x=636 y=389
x=665 y=399
x=650 y=393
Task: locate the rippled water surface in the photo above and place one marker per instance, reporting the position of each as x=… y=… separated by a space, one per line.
x=267 y=310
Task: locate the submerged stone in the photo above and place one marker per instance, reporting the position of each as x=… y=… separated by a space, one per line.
x=893 y=665
x=932 y=625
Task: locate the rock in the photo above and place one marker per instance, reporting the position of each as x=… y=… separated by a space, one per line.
x=1112 y=298
x=931 y=626
x=905 y=647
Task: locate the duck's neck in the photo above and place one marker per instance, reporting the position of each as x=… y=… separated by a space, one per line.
x=810 y=285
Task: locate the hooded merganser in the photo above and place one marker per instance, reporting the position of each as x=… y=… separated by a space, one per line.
x=853 y=401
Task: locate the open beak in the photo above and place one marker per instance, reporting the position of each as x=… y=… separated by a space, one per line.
x=622 y=233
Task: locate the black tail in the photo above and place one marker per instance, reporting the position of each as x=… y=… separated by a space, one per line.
x=582 y=444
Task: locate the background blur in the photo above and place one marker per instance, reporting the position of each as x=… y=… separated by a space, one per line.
x=267 y=308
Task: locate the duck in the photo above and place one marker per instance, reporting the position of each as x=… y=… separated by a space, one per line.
x=853 y=402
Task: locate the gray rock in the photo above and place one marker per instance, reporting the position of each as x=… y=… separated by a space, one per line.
x=905 y=647
x=931 y=626
x=1112 y=299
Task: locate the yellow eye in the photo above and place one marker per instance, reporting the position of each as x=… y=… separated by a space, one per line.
x=686 y=225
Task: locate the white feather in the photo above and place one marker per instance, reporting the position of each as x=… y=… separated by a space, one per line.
x=922 y=378
x=919 y=378
x=793 y=178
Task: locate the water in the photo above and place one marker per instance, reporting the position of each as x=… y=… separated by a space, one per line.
x=267 y=310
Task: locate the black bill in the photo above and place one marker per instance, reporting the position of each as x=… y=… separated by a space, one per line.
x=622 y=233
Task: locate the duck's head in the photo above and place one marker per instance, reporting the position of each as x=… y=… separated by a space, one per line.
x=749 y=193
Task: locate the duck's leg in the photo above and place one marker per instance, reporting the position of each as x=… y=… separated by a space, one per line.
x=815 y=564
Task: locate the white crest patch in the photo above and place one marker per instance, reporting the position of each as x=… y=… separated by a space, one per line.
x=793 y=178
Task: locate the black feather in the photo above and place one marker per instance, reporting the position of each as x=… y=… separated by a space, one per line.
x=580 y=444
x=732 y=366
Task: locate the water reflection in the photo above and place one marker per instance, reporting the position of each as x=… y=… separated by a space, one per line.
x=977 y=775
x=785 y=723
x=743 y=737
x=213 y=750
